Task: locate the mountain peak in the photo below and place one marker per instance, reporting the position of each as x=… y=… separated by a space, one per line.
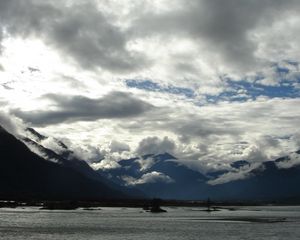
x=160 y=156
x=164 y=156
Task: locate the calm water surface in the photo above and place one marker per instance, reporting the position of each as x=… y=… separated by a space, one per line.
x=128 y=223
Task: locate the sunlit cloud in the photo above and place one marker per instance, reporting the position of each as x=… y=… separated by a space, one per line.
x=208 y=81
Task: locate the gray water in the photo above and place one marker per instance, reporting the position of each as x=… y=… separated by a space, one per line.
x=130 y=223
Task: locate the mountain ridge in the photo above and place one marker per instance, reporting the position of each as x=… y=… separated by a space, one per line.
x=254 y=184
x=25 y=175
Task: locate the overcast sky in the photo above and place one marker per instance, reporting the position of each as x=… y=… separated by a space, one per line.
x=210 y=81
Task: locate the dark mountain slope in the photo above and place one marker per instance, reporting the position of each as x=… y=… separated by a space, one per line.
x=25 y=175
x=67 y=159
x=268 y=183
x=163 y=178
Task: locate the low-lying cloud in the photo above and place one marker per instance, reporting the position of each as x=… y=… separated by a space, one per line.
x=154 y=145
x=152 y=177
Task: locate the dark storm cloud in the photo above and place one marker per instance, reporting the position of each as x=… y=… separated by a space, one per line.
x=91 y=39
x=80 y=31
x=86 y=35
x=187 y=126
x=78 y=108
x=223 y=26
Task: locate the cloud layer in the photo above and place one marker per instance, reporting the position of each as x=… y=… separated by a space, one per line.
x=80 y=31
x=209 y=81
x=80 y=108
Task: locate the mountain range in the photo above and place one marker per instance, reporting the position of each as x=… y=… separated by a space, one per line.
x=30 y=170
x=26 y=175
x=164 y=176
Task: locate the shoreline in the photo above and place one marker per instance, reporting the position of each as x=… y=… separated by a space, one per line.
x=140 y=203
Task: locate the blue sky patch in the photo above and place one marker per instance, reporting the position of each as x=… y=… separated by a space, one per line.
x=149 y=85
x=240 y=91
x=247 y=89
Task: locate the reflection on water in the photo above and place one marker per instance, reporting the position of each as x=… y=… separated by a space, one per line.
x=129 y=223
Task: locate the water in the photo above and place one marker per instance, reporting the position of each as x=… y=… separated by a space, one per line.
x=130 y=223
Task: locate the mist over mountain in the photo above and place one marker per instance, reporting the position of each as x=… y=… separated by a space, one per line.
x=33 y=171
x=214 y=83
x=163 y=176
x=25 y=175
x=160 y=176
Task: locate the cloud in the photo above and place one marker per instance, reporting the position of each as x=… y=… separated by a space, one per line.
x=219 y=79
x=80 y=31
x=224 y=28
x=152 y=86
x=152 y=177
x=92 y=40
x=292 y=160
x=7 y=123
x=93 y=155
x=11 y=123
x=53 y=144
x=212 y=136
x=146 y=163
x=37 y=150
x=242 y=173
x=234 y=36
x=80 y=108
x=105 y=164
x=295 y=138
x=119 y=147
x=154 y=145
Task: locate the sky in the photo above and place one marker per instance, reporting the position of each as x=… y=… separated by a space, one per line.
x=209 y=81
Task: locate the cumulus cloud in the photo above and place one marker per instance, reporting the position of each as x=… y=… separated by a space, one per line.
x=105 y=164
x=154 y=145
x=119 y=147
x=88 y=153
x=215 y=135
x=80 y=108
x=151 y=177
